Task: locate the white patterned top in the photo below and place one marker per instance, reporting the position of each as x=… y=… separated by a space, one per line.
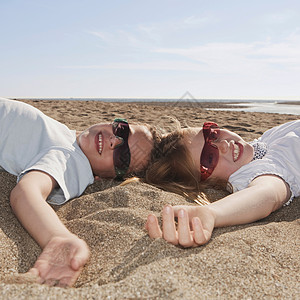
x=279 y=149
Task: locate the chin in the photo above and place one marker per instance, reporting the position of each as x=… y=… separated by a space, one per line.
x=107 y=174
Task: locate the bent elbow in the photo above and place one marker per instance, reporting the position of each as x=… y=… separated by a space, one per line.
x=14 y=198
x=266 y=213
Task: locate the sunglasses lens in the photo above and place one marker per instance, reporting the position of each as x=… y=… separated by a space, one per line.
x=120 y=129
x=210 y=153
x=211 y=131
x=121 y=154
x=209 y=156
x=121 y=158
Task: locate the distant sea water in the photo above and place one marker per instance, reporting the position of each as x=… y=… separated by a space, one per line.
x=265 y=106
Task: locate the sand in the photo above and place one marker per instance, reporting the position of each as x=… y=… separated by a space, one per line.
x=254 y=261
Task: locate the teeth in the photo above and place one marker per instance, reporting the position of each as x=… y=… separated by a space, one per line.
x=236 y=152
x=100 y=143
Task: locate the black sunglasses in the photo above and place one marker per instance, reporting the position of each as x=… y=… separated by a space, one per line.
x=121 y=155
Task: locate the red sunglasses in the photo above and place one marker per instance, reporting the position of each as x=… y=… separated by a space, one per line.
x=121 y=154
x=210 y=153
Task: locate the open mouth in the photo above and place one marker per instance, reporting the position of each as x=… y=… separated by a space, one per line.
x=100 y=143
x=237 y=151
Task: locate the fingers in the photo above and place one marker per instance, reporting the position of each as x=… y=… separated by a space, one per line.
x=60 y=279
x=63 y=282
x=40 y=270
x=169 y=228
x=66 y=282
x=36 y=274
x=51 y=282
x=153 y=228
x=185 y=237
x=61 y=261
x=201 y=236
x=182 y=235
x=190 y=231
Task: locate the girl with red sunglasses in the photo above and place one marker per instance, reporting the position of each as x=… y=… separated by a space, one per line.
x=264 y=175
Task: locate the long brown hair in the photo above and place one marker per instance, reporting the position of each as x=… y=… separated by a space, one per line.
x=172 y=168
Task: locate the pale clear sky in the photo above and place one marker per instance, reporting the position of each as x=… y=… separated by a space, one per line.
x=153 y=48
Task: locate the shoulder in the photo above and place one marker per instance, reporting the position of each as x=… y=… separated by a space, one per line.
x=282 y=130
x=15 y=104
x=275 y=186
x=36 y=181
x=15 y=110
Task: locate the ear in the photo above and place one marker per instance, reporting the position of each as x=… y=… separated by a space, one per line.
x=97 y=178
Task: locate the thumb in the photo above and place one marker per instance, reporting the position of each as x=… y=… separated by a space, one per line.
x=80 y=257
x=77 y=263
x=153 y=228
x=34 y=271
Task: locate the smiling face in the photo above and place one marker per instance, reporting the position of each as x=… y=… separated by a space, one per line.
x=234 y=152
x=98 y=143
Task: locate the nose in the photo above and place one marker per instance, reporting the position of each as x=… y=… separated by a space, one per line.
x=115 y=141
x=223 y=145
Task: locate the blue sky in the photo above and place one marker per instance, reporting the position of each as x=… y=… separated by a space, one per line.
x=150 y=49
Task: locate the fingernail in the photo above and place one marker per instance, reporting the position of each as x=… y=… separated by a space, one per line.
x=167 y=209
x=151 y=219
x=181 y=213
x=196 y=221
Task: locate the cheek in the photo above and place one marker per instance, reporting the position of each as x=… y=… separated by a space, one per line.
x=224 y=169
x=82 y=142
x=105 y=169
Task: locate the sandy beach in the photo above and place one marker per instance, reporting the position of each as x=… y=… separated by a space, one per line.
x=254 y=261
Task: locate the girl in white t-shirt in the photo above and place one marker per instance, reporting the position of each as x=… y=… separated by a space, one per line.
x=264 y=175
x=56 y=164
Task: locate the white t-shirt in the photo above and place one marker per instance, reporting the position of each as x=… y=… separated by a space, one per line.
x=282 y=159
x=30 y=140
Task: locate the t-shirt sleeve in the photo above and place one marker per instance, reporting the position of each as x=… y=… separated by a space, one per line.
x=282 y=159
x=71 y=170
x=243 y=177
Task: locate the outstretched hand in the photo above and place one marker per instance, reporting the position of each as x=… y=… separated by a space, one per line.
x=195 y=225
x=61 y=261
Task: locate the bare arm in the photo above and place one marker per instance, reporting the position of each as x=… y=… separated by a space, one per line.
x=28 y=201
x=196 y=223
x=64 y=254
x=264 y=195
